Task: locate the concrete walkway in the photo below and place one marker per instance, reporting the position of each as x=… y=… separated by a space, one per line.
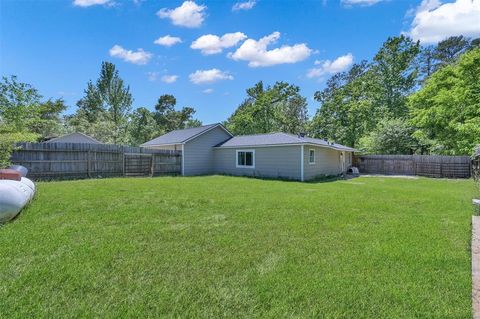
x=476 y=267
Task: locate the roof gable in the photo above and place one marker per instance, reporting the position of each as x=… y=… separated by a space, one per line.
x=75 y=137
x=183 y=136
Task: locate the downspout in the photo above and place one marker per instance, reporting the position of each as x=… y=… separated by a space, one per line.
x=183 y=159
x=301 y=164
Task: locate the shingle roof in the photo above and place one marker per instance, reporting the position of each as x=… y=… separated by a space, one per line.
x=278 y=139
x=179 y=136
x=76 y=137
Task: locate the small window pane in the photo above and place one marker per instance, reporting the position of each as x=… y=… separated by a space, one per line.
x=312 y=156
x=249 y=159
x=241 y=158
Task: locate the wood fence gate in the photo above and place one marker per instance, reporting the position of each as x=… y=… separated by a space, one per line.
x=138 y=164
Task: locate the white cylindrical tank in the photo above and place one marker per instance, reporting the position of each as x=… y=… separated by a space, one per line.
x=14 y=195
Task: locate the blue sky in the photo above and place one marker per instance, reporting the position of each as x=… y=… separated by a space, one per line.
x=58 y=46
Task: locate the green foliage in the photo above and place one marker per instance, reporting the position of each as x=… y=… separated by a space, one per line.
x=447 y=109
x=240 y=248
x=142 y=126
x=347 y=108
x=21 y=109
x=395 y=73
x=392 y=136
x=270 y=109
x=7 y=143
x=109 y=99
x=168 y=119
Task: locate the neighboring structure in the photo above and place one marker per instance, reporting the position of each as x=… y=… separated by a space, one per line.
x=74 y=138
x=212 y=149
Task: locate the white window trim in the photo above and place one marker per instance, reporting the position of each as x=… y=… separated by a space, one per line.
x=314 y=156
x=244 y=166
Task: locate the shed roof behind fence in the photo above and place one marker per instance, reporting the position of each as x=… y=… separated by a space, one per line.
x=76 y=137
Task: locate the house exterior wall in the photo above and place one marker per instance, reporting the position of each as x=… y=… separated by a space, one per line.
x=275 y=162
x=198 y=153
x=327 y=162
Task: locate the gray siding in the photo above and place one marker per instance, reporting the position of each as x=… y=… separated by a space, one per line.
x=275 y=162
x=198 y=153
x=327 y=162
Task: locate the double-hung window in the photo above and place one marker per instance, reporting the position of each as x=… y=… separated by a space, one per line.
x=311 y=156
x=246 y=159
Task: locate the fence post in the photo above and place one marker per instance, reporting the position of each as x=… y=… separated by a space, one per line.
x=123 y=164
x=89 y=173
x=152 y=164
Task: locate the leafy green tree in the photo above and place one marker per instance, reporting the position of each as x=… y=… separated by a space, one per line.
x=267 y=109
x=168 y=119
x=395 y=74
x=347 y=106
x=143 y=126
x=101 y=129
x=392 y=136
x=19 y=104
x=447 y=109
x=22 y=111
x=109 y=99
x=448 y=50
x=8 y=139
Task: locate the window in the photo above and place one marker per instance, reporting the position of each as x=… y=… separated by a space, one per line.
x=311 y=157
x=246 y=159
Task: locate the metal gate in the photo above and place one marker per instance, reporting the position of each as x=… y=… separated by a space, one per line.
x=138 y=164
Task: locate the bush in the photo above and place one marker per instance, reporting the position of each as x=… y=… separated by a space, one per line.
x=7 y=144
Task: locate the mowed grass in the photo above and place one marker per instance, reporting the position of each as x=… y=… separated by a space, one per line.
x=213 y=247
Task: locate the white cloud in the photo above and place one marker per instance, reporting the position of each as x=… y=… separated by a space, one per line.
x=88 y=3
x=135 y=57
x=209 y=76
x=189 y=14
x=360 y=2
x=257 y=55
x=169 y=78
x=434 y=21
x=152 y=76
x=167 y=41
x=213 y=44
x=208 y=91
x=329 y=67
x=247 y=5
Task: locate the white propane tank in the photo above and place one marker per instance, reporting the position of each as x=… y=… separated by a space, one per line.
x=14 y=195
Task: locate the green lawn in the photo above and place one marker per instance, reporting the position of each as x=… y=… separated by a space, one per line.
x=238 y=247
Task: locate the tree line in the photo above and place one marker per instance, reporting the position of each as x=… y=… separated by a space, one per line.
x=407 y=99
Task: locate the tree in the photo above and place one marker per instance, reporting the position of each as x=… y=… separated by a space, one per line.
x=22 y=111
x=168 y=119
x=108 y=99
x=448 y=50
x=392 y=136
x=19 y=103
x=447 y=109
x=267 y=109
x=142 y=126
x=395 y=74
x=347 y=109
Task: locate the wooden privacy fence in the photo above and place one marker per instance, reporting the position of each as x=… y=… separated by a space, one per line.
x=50 y=161
x=422 y=165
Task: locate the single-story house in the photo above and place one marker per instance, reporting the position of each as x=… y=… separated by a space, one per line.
x=212 y=149
x=73 y=138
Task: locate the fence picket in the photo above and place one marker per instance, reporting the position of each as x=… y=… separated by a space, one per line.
x=73 y=160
